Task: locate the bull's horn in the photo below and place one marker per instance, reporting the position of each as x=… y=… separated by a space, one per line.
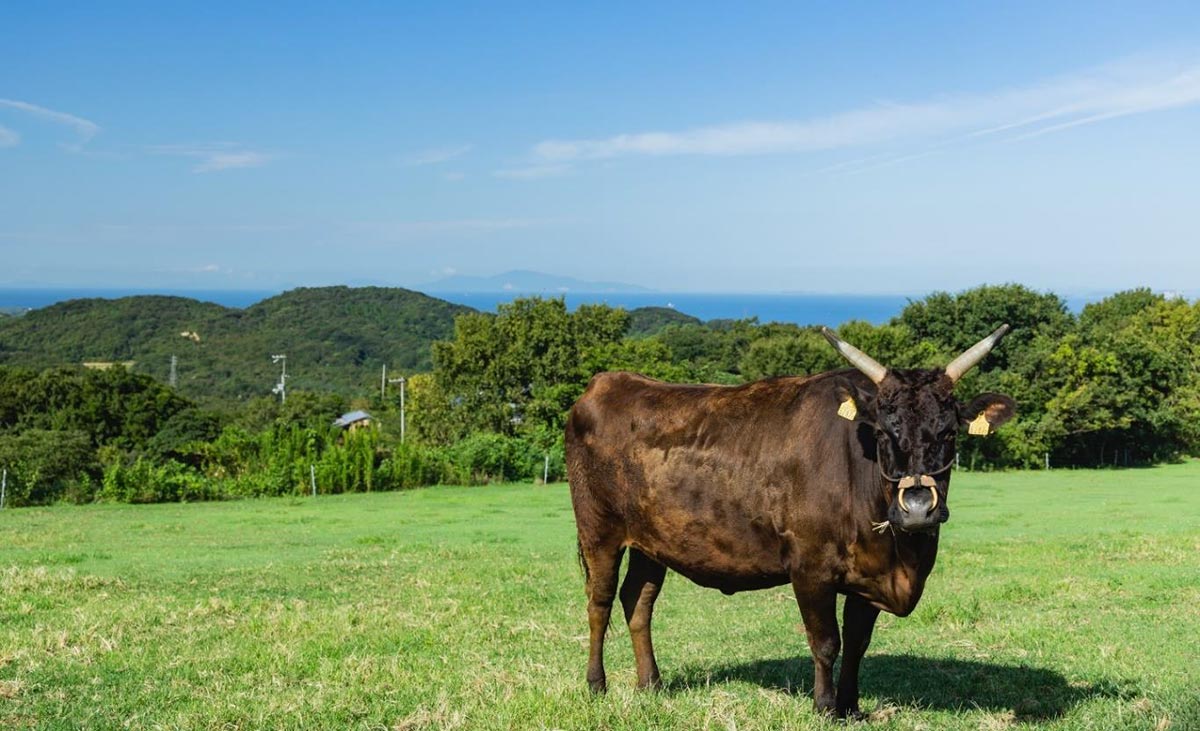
x=857 y=358
x=974 y=354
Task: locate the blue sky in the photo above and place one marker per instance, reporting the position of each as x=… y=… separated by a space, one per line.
x=878 y=148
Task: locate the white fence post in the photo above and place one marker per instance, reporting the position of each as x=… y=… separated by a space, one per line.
x=3 y=487
x=312 y=476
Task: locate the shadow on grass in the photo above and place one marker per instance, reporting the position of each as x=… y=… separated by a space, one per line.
x=942 y=684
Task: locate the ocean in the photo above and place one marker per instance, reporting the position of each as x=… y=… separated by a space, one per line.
x=803 y=309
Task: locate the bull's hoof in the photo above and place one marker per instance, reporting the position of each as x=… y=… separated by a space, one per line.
x=826 y=708
x=851 y=713
x=599 y=686
x=651 y=684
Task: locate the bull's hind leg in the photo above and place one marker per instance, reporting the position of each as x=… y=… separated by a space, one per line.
x=643 y=580
x=602 y=564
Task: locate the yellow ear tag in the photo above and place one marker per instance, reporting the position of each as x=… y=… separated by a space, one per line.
x=848 y=410
x=980 y=427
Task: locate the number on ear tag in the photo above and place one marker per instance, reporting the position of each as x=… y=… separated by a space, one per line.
x=980 y=427
x=848 y=410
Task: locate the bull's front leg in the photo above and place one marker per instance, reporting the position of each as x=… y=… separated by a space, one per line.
x=818 y=608
x=858 y=620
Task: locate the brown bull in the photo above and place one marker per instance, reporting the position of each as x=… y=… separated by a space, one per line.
x=835 y=483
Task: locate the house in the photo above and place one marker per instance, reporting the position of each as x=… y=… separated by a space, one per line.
x=353 y=420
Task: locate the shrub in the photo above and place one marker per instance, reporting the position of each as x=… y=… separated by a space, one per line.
x=410 y=465
x=487 y=457
x=46 y=465
x=145 y=481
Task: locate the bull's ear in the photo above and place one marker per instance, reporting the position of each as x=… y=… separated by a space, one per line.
x=853 y=403
x=986 y=413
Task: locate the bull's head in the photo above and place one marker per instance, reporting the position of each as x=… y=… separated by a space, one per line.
x=916 y=421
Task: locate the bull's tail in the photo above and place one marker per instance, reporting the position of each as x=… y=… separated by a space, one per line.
x=587 y=575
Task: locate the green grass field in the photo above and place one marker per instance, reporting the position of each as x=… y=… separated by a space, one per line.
x=1064 y=600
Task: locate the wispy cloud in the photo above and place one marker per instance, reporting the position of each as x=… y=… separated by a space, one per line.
x=215 y=156
x=84 y=129
x=8 y=138
x=231 y=160
x=533 y=172
x=1116 y=90
x=449 y=226
x=158 y=230
x=436 y=155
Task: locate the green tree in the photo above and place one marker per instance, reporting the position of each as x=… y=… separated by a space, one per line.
x=1125 y=388
x=647 y=356
x=113 y=407
x=954 y=322
x=797 y=354
x=715 y=347
x=520 y=369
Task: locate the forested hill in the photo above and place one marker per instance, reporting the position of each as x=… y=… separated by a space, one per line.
x=335 y=338
x=653 y=320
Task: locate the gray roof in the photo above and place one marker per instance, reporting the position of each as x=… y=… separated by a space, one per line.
x=351 y=417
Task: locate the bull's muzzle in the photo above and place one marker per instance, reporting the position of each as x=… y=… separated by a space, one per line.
x=911 y=481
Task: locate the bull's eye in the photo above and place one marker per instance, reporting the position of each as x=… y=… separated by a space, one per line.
x=891 y=438
x=947 y=428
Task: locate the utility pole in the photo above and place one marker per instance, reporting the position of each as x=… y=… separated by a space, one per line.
x=173 y=379
x=281 y=387
x=402 y=417
x=383 y=395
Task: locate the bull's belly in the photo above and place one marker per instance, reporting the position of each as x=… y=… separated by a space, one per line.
x=728 y=573
x=731 y=583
